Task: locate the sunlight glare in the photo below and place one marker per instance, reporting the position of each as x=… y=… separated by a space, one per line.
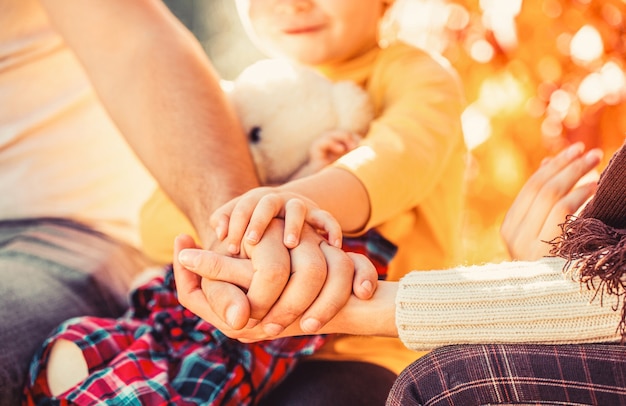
x=476 y=127
x=586 y=45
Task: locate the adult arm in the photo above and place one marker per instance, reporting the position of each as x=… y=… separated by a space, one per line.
x=509 y=302
x=161 y=91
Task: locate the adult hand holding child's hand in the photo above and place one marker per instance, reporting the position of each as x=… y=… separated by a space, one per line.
x=309 y=284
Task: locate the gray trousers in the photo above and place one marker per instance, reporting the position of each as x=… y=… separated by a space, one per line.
x=52 y=270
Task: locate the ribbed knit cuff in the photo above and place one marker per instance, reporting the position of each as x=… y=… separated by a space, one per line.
x=511 y=302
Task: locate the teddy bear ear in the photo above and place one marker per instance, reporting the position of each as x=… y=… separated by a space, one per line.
x=353 y=107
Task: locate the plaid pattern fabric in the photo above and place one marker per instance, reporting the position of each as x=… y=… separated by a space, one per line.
x=588 y=374
x=159 y=353
x=54 y=269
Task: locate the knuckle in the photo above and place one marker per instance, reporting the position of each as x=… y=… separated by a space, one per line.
x=209 y=265
x=297 y=202
x=564 y=207
x=344 y=264
x=289 y=312
x=551 y=192
x=273 y=272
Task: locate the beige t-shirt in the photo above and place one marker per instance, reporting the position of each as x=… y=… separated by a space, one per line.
x=60 y=153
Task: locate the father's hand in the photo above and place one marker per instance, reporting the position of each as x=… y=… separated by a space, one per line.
x=311 y=284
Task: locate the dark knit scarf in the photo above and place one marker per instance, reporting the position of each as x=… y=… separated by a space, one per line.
x=594 y=243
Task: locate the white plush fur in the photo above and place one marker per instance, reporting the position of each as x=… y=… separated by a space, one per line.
x=292 y=105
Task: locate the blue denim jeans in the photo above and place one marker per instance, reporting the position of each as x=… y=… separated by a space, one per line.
x=52 y=270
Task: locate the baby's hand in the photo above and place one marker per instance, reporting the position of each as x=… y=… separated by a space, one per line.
x=249 y=215
x=327 y=149
x=331 y=145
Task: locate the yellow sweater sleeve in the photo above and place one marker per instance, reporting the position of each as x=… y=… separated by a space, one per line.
x=160 y=222
x=415 y=136
x=412 y=164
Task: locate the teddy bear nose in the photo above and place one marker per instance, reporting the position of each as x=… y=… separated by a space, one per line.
x=255 y=134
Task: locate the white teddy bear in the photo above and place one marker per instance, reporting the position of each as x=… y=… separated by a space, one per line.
x=284 y=108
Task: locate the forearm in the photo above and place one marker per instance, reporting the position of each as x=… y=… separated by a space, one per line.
x=373 y=317
x=161 y=91
x=515 y=302
x=338 y=192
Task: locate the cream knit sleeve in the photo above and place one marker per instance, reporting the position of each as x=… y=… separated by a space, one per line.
x=510 y=302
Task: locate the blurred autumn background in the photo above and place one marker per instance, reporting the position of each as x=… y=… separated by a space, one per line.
x=538 y=75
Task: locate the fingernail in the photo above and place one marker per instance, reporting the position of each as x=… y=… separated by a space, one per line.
x=273 y=329
x=291 y=240
x=232 y=313
x=253 y=237
x=575 y=149
x=595 y=155
x=220 y=232
x=311 y=325
x=367 y=286
x=233 y=249
x=338 y=243
x=188 y=258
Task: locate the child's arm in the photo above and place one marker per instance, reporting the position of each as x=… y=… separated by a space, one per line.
x=248 y=216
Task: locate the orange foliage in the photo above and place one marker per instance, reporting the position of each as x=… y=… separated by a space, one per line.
x=538 y=75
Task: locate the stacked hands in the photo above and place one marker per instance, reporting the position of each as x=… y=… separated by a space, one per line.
x=305 y=279
x=253 y=288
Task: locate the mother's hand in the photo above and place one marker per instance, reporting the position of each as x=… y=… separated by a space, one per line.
x=550 y=194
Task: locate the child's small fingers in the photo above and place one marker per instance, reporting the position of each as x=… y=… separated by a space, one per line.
x=220 y=222
x=295 y=215
x=220 y=219
x=267 y=208
x=238 y=223
x=323 y=220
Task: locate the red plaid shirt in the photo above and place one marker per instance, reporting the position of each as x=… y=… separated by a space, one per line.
x=159 y=353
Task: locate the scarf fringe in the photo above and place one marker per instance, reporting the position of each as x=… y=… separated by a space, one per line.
x=595 y=254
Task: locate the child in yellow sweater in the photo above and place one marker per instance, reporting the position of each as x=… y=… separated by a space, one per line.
x=405 y=177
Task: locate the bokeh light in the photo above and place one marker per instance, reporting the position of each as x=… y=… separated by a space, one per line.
x=538 y=75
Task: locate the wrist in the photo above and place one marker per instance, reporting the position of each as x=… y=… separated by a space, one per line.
x=372 y=317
